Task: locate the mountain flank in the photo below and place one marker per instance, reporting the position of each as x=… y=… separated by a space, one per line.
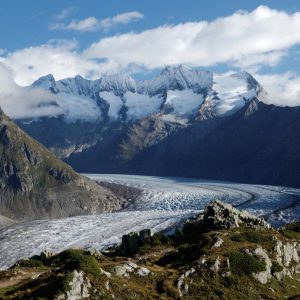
x=183 y=122
x=34 y=184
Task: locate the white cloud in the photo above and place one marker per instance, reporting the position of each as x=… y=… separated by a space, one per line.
x=94 y=24
x=64 y=13
x=124 y=18
x=58 y=58
x=245 y=40
x=20 y=102
x=259 y=37
x=283 y=89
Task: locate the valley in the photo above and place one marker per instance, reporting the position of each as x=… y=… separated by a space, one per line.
x=161 y=204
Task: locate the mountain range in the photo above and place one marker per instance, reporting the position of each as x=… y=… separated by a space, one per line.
x=183 y=122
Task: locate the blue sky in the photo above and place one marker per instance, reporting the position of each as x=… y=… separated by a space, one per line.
x=93 y=37
x=25 y=23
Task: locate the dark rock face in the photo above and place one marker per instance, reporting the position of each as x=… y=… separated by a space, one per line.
x=132 y=241
x=35 y=184
x=257 y=144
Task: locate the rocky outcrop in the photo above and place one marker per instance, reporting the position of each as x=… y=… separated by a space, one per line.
x=262 y=255
x=130 y=268
x=79 y=288
x=286 y=253
x=182 y=286
x=217 y=242
x=219 y=215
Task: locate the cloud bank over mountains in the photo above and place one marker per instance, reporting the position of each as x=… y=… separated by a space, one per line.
x=20 y=102
x=243 y=40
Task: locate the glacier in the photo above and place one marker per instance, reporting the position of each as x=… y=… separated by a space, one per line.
x=163 y=204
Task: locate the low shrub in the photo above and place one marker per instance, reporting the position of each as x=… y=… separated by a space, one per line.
x=158 y=239
x=241 y=262
x=31 y=263
x=293 y=227
x=79 y=260
x=186 y=253
x=276 y=267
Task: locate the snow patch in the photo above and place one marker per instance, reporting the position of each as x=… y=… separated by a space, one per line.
x=78 y=108
x=232 y=92
x=141 y=105
x=115 y=104
x=183 y=102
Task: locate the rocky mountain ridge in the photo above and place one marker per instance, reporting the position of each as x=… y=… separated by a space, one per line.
x=177 y=90
x=34 y=184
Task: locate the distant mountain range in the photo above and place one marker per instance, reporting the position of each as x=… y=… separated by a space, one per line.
x=183 y=122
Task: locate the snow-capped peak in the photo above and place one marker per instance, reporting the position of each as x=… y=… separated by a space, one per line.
x=118 y=83
x=180 y=78
x=231 y=92
x=177 y=90
x=45 y=82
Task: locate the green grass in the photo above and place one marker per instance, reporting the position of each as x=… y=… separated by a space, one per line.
x=251 y=236
x=291 y=231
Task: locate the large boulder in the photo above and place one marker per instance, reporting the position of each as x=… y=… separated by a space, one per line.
x=132 y=241
x=218 y=215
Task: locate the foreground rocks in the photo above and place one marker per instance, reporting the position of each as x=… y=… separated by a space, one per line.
x=223 y=253
x=79 y=288
x=131 y=268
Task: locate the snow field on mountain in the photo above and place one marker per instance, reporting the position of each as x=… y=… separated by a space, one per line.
x=183 y=102
x=232 y=92
x=78 y=108
x=141 y=105
x=183 y=89
x=115 y=104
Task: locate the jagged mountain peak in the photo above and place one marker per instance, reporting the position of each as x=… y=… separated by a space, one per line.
x=180 y=77
x=118 y=83
x=172 y=69
x=45 y=82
